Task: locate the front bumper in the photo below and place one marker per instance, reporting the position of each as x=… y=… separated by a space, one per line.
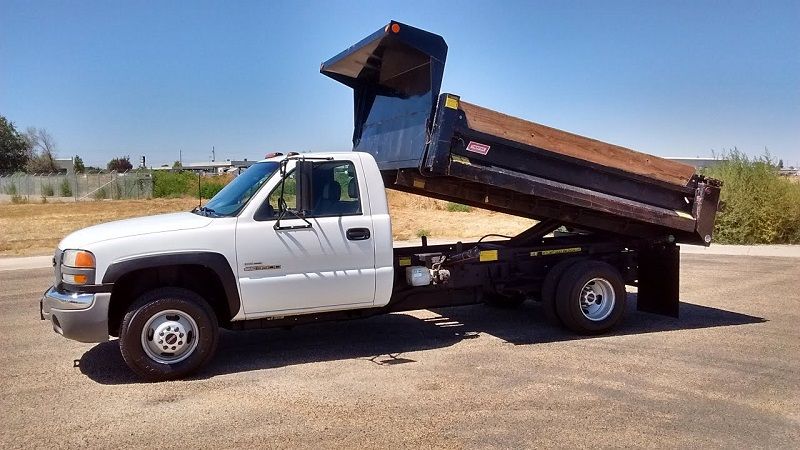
x=81 y=317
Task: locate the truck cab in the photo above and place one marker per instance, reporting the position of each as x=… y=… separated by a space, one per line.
x=250 y=252
x=333 y=253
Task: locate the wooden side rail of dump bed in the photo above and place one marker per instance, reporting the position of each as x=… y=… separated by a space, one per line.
x=514 y=129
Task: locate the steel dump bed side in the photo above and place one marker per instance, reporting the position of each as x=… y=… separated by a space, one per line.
x=438 y=145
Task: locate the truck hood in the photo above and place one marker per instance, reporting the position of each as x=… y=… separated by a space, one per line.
x=133 y=227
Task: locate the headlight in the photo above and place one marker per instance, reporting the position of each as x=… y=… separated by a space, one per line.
x=77 y=267
x=78 y=258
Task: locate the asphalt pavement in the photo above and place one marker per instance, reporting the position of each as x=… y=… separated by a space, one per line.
x=726 y=374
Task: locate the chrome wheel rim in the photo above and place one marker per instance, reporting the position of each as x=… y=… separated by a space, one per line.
x=597 y=299
x=169 y=336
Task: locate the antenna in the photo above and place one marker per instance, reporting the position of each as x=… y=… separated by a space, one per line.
x=199 y=191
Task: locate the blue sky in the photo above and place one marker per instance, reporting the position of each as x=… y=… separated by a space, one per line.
x=671 y=78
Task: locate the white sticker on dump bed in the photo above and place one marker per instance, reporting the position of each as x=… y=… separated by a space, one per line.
x=476 y=147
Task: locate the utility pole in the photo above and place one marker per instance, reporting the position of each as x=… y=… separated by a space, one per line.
x=180 y=156
x=213 y=154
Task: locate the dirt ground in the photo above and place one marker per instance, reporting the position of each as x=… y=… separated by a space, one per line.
x=724 y=375
x=36 y=229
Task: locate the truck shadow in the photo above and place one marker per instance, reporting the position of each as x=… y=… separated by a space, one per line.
x=385 y=339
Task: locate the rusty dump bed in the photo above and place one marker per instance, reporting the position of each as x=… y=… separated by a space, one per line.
x=441 y=146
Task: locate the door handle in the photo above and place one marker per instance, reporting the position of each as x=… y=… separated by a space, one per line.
x=358 y=234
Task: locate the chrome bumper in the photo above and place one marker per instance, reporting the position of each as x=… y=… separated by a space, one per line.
x=81 y=317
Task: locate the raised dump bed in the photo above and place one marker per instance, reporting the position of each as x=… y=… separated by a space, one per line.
x=440 y=146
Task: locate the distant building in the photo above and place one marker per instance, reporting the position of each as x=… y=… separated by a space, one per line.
x=700 y=163
x=67 y=164
x=214 y=167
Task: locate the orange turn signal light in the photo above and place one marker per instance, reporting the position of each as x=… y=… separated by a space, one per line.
x=84 y=259
x=395 y=28
x=81 y=279
x=75 y=278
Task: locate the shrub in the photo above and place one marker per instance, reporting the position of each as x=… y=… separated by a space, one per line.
x=116 y=191
x=757 y=205
x=11 y=189
x=458 y=207
x=100 y=194
x=18 y=199
x=66 y=189
x=210 y=188
x=180 y=184
x=422 y=232
x=173 y=184
x=47 y=190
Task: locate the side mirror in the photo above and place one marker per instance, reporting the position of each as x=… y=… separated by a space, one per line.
x=303 y=175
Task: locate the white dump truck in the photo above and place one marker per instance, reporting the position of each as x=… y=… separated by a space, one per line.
x=302 y=238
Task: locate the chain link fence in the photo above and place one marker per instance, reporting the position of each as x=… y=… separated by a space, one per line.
x=76 y=187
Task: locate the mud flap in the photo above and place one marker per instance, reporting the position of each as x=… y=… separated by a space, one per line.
x=659 y=276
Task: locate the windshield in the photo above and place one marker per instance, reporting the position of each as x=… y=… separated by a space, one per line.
x=232 y=198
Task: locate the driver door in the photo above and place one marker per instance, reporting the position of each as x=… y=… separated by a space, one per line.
x=326 y=263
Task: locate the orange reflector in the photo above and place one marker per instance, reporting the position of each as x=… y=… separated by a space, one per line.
x=395 y=28
x=84 y=259
x=81 y=279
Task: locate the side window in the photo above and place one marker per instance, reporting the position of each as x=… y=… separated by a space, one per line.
x=334 y=192
x=289 y=194
x=335 y=189
x=269 y=209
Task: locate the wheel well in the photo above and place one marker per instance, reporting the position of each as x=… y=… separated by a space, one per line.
x=197 y=278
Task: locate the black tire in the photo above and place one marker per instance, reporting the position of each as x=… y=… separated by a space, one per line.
x=150 y=304
x=549 y=286
x=568 y=297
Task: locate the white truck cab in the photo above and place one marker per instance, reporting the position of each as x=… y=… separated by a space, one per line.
x=250 y=251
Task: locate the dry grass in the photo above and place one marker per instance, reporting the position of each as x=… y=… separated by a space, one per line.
x=36 y=229
x=413 y=213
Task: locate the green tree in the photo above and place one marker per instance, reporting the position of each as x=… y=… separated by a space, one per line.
x=13 y=147
x=78 y=163
x=780 y=164
x=177 y=165
x=121 y=164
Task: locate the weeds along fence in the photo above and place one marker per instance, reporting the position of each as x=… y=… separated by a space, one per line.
x=76 y=187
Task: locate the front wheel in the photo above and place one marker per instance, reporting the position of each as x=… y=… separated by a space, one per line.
x=168 y=333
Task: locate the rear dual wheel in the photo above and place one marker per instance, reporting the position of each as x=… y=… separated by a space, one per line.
x=589 y=296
